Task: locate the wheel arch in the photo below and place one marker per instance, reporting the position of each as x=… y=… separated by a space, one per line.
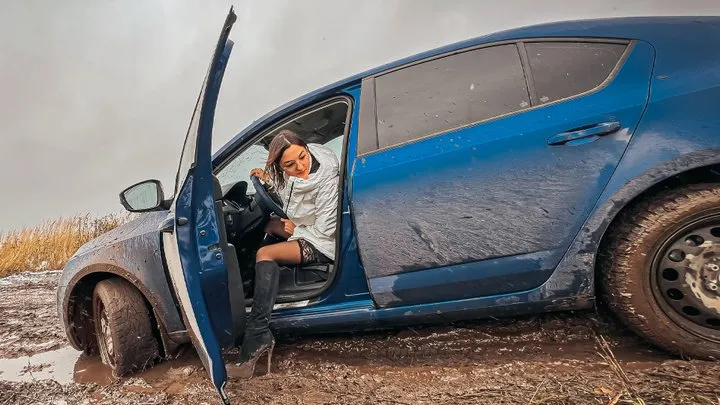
x=575 y=276
x=707 y=173
x=78 y=306
x=697 y=175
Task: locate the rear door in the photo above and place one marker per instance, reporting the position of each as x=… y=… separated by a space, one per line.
x=477 y=169
x=195 y=246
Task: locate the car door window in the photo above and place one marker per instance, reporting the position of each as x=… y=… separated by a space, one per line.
x=325 y=125
x=336 y=146
x=450 y=92
x=565 y=69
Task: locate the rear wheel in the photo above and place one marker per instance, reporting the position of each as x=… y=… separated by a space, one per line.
x=123 y=327
x=660 y=270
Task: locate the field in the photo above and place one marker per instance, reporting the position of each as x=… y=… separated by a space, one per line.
x=50 y=245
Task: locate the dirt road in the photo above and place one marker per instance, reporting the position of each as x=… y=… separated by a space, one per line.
x=551 y=359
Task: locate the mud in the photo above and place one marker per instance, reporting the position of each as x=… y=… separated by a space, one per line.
x=28 y=321
x=549 y=359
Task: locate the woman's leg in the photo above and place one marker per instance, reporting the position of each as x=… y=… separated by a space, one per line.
x=258 y=338
x=280 y=253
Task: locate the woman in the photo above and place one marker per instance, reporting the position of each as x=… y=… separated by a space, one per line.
x=306 y=179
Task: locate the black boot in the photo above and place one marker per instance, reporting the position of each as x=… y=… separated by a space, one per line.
x=258 y=339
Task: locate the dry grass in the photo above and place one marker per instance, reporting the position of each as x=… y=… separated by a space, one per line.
x=50 y=245
x=628 y=388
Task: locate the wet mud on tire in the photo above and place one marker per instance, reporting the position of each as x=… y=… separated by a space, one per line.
x=127 y=326
x=549 y=359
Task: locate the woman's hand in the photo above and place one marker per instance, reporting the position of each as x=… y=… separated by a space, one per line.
x=289 y=225
x=258 y=173
x=280 y=227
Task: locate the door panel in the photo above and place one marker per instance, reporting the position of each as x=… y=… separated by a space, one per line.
x=196 y=246
x=490 y=208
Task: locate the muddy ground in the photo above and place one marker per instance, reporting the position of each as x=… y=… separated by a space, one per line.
x=549 y=359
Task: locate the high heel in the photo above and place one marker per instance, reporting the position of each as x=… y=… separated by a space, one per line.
x=246 y=369
x=269 y=359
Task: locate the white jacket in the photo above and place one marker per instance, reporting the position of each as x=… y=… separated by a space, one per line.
x=312 y=204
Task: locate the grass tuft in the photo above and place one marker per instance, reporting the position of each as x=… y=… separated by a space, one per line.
x=50 y=245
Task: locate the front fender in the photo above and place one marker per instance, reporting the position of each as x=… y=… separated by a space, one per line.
x=132 y=251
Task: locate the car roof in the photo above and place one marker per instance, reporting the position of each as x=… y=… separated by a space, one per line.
x=645 y=28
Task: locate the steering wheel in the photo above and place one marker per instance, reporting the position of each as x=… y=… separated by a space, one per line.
x=264 y=200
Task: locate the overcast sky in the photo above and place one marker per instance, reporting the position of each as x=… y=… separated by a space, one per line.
x=97 y=94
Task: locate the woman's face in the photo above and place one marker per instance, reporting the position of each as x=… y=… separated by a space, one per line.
x=295 y=161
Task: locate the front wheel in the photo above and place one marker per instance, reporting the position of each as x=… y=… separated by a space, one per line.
x=122 y=327
x=660 y=270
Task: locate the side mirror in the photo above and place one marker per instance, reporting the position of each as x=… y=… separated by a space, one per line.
x=144 y=196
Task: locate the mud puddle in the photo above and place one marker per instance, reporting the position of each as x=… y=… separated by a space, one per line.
x=68 y=365
x=55 y=365
x=548 y=359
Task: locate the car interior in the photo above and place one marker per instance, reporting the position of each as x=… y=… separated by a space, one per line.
x=245 y=218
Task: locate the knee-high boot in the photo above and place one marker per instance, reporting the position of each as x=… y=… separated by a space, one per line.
x=258 y=338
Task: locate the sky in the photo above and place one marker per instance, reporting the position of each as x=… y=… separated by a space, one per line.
x=97 y=94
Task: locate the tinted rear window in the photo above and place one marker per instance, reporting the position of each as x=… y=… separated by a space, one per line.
x=565 y=69
x=450 y=92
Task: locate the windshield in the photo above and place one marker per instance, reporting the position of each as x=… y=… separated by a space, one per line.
x=239 y=168
x=325 y=125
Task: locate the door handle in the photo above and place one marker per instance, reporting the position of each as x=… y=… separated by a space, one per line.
x=594 y=131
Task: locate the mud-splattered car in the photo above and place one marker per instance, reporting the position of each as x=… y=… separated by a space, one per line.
x=526 y=171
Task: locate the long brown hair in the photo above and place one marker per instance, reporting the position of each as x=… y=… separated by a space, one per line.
x=277 y=147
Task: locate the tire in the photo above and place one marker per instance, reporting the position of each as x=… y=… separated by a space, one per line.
x=123 y=328
x=645 y=285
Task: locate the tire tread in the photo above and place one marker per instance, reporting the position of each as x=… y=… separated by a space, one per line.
x=134 y=341
x=620 y=277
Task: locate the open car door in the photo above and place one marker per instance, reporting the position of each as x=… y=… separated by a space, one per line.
x=202 y=265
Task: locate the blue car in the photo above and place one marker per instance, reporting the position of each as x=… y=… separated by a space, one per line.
x=539 y=169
